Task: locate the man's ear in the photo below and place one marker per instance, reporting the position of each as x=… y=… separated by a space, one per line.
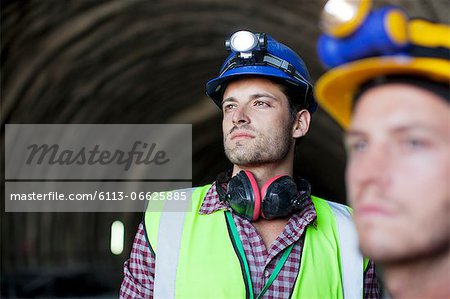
x=301 y=123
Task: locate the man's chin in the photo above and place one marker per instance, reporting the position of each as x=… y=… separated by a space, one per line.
x=243 y=158
x=380 y=248
x=245 y=162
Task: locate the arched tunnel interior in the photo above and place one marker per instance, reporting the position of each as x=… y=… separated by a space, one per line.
x=138 y=62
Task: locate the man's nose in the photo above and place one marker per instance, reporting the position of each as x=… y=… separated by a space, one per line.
x=240 y=116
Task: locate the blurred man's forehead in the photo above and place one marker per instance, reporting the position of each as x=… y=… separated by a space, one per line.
x=399 y=106
x=441 y=89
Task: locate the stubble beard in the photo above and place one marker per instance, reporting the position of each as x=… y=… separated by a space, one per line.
x=261 y=149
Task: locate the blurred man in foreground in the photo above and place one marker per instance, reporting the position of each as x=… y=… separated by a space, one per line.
x=393 y=101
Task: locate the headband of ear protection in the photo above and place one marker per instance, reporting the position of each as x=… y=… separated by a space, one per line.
x=279 y=196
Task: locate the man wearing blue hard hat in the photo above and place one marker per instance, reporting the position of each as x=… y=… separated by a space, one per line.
x=391 y=96
x=256 y=232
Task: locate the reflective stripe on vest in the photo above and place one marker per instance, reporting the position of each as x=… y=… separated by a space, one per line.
x=169 y=241
x=351 y=258
x=170 y=227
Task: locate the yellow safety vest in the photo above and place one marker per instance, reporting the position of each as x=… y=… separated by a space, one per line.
x=200 y=256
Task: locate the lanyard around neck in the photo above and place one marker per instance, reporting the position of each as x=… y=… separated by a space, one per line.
x=240 y=251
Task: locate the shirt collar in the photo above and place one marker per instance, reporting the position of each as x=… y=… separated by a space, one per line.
x=211 y=203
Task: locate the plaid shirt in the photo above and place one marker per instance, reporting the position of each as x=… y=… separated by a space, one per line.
x=139 y=270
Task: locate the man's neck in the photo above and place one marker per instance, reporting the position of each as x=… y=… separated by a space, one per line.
x=269 y=230
x=424 y=278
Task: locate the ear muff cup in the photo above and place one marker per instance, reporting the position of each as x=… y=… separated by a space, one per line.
x=243 y=195
x=278 y=198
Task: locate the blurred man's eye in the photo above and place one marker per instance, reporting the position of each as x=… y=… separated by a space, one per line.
x=413 y=143
x=356 y=146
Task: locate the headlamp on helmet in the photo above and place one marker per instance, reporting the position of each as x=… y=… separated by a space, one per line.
x=367 y=32
x=341 y=18
x=245 y=42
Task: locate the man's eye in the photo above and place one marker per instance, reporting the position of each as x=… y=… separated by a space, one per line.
x=357 y=146
x=413 y=143
x=228 y=107
x=261 y=104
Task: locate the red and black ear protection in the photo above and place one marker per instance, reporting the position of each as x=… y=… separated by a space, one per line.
x=279 y=197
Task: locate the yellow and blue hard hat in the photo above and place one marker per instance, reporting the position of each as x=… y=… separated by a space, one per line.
x=387 y=43
x=258 y=54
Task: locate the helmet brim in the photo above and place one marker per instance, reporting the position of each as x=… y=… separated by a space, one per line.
x=336 y=89
x=215 y=87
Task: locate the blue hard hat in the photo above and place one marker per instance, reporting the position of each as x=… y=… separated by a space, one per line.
x=268 y=58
